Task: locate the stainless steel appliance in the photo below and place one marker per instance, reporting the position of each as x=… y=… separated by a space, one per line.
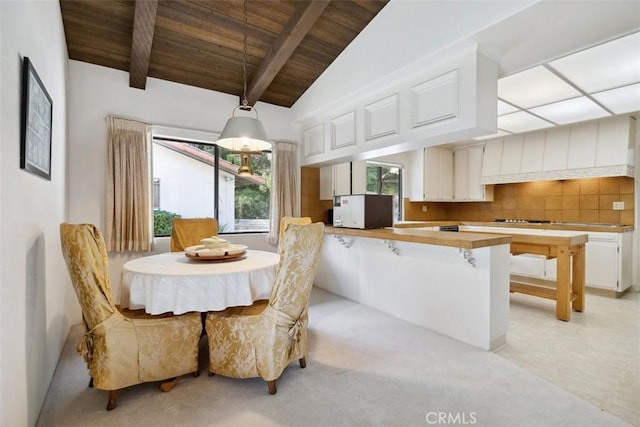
x=363 y=211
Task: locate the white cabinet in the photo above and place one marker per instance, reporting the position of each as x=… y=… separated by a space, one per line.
x=343 y=179
x=608 y=259
x=467 y=168
x=438 y=174
x=431 y=175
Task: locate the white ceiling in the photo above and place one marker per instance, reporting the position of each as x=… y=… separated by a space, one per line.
x=597 y=82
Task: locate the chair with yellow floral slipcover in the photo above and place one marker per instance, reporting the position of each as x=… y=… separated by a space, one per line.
x=121 y=351
x=261 y=340
x=285 y=221
x=189 y=231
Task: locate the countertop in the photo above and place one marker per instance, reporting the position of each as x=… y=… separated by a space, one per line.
x=609 y=228
x=441 y=238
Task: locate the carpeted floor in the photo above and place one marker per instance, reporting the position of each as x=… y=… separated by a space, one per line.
x=364 y=368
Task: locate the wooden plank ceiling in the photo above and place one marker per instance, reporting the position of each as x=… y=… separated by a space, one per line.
x=200 y=42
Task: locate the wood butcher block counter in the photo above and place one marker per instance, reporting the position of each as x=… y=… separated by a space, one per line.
x=429 y=237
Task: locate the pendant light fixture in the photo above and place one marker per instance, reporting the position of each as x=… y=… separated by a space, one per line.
x=244 y=135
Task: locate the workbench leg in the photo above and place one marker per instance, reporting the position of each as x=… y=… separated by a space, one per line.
x=563 y=280
x=578 y=278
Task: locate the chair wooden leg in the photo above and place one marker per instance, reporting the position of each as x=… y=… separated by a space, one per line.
x=272 y=386
x=90 y=382
x=166 y=386
x=196 y=373
x=211 y=373
x=113 y=399
x=303 y=362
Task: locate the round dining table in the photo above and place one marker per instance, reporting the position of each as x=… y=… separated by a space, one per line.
x=174 y=283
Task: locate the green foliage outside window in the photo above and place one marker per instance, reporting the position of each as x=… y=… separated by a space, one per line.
x=163 y=222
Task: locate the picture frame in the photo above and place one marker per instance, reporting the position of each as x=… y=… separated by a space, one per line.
x=36 y=123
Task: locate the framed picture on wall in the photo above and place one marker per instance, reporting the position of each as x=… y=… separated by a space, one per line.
x=36 y=121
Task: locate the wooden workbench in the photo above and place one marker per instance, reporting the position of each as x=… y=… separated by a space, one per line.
x=568 y=249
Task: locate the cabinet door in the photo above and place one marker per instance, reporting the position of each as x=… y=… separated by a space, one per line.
x=445 y=157
x=416 y=175
x=326 y=183
x=359 y=177
x=601 y=264
x=474 y=170
x=431 y=174
x=461 y=174
x=342 y=179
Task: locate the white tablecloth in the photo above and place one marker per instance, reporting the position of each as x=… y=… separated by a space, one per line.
x=171 y=282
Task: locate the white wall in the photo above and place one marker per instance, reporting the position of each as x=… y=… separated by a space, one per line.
x=35 y=291
x=95 y=92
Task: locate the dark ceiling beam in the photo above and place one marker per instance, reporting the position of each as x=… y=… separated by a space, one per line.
x=296 y=29
x=144 y=23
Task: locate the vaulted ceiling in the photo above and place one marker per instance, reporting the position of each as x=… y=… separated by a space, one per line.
x=289 y=43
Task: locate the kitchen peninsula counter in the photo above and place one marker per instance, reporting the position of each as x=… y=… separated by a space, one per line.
x=456 y=284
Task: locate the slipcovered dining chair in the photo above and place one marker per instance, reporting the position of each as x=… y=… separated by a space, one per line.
x=285 y=221
x=260 y=340
x=189 y=231
x=121 y=351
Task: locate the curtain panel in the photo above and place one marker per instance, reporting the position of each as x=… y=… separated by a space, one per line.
x=128 y=201
x=284 y=185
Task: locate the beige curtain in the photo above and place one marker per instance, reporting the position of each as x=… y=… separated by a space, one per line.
x=128 y=225
x=284 y=185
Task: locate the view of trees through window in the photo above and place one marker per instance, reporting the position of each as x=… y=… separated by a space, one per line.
x=386 y=179
x=186 y=182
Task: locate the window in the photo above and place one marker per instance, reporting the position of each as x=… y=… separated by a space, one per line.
x=200 y=180
x=156 y=194
x=386 y=179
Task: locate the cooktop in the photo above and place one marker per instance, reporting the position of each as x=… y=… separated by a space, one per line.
x=526 y=221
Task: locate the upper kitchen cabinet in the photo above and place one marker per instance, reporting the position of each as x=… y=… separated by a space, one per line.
x=431 y=175
x=446 y=175
x=449 y=98
x=597 y=148
x=467 y=169
x=343 y=179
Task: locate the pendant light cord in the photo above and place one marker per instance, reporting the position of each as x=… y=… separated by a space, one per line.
x=244 y=55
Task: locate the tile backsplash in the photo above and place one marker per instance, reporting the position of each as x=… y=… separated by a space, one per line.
x=577 y=200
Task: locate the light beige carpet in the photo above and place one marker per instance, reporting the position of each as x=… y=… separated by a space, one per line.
x=364 y=368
